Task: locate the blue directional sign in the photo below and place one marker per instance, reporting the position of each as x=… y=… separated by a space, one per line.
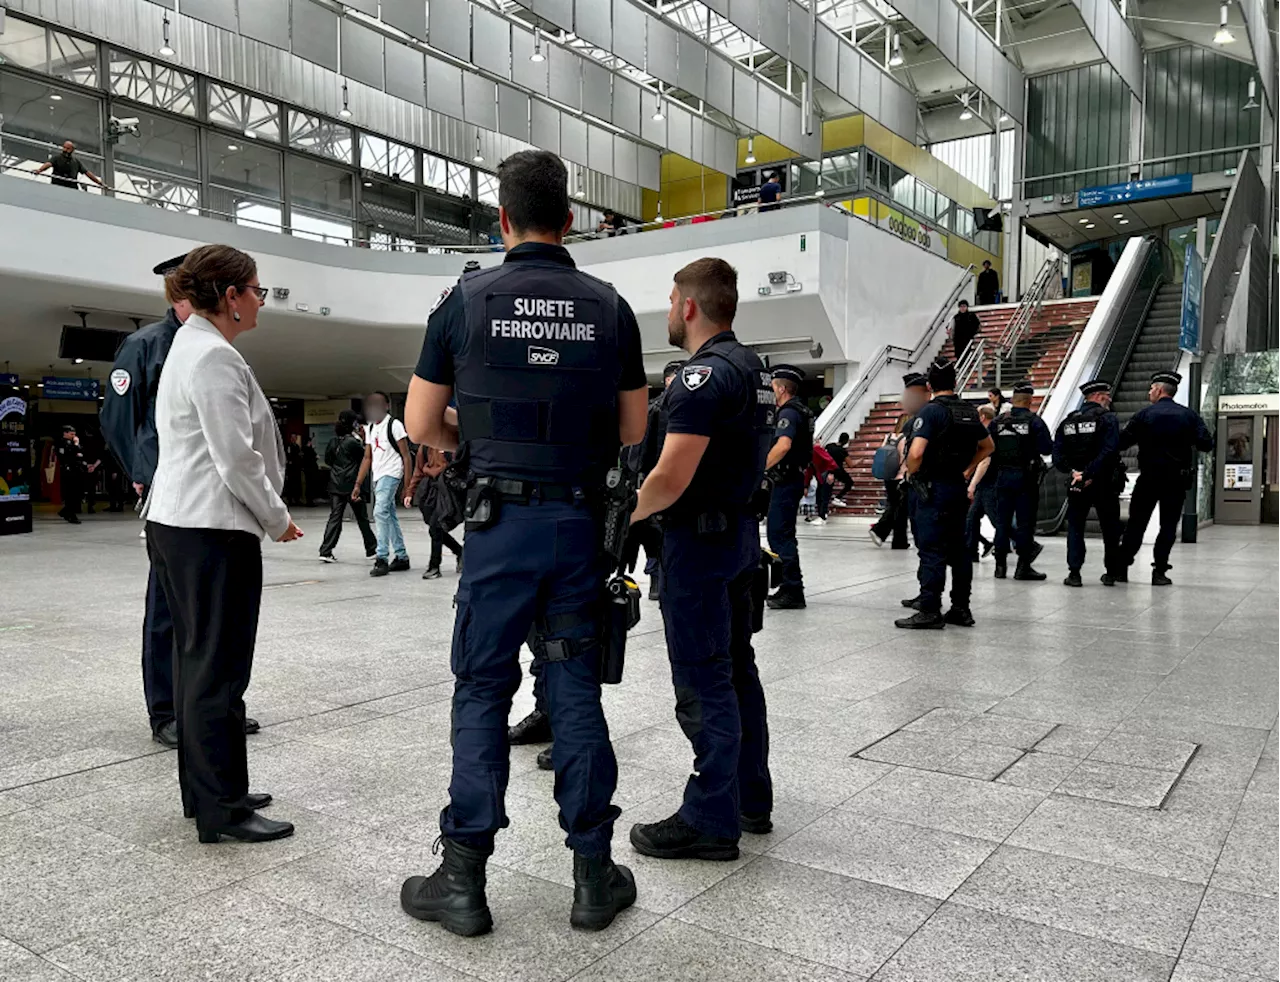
x=8 y=378
x=85 y=389
x=1120 y=194
x=1192 y=281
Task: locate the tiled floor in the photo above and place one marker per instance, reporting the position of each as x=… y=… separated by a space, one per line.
x=1083 y=787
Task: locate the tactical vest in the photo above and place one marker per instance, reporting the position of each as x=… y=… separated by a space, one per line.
x=949 y=453
x=537 y=377
x=1082 y=437
x=800 y=455
x=732 y=467
x=1015 y=441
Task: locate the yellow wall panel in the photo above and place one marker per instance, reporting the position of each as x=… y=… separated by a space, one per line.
x=837 y=134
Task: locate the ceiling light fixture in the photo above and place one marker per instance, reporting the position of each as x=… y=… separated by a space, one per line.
x=57 y=98
x=252 y=134
x=896 y=59
x=479 y=155
x=232 y=147
x=345 y=111
x=77 y=361
x=966 y=113
x=368 y=183
x=1124 y=221
x=750 y=158
x=537 y=55
x=1224 y=35
x=1091 y=225
x=166 y=49
x=581 y=192
x=1253 y=95
x=1004 y=117
x=658 y=117
x=1117 y=216
x=1082 y=221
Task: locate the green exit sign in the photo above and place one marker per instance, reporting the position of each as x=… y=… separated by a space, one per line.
x=802 y=243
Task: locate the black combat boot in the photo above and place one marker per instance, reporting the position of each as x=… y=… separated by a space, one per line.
x=673 y=838
x=1109 y=579
x=922 y=620
x=1025 y=572
x=601 y=890
x=454 y=893
x=1001 y=569
x=756 y=824
x=912 y=603
x=1073 y=579
x=960 y=616
x=786 y=599
x=1121 y=575
x=534 y=728
x=1157 y=575
x=544 y=759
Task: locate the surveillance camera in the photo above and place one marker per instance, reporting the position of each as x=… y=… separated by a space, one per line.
x=125 y=122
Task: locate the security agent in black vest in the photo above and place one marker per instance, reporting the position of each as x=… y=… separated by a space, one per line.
x=1167 y=435
x=546 y=366
x=790 y=455
x=915 y=393
x=128 y=419
x=948 y=442
x=1087 y=447
x=719 y=429
x=1021 y=441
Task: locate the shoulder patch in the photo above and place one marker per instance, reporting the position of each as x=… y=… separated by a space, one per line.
x=444 y=294
x=693 y=376
x=917 y=424
x=783 y=422
x=120 y=381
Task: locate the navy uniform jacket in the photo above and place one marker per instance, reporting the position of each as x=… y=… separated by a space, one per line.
x=1108 y=447
x=128 y=415
x=1039 y=429
x=1167 y=435
x=951 y=445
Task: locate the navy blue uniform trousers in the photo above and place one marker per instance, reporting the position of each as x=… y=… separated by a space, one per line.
x=706 y=609
x=784 y=505
x=157 y=651
x=1152 y=491
x=1017 y=500
x=940 y=540
x=1106 y=504
x=537 y=560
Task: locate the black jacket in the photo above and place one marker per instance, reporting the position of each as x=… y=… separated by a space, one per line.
x=988 y=286
x=343 y=455
x=128 y=414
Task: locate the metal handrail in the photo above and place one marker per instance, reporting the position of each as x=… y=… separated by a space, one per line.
x=1032 y=303
x=970 y=362
x=1053 y=384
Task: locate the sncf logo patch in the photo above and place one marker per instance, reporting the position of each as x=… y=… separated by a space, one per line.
x=543 y=356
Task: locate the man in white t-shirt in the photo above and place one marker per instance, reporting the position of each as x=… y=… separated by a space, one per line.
x=387 y=455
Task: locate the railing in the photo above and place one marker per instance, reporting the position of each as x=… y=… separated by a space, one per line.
x=1053 y=384
x=1245 y=208
x=970 y=362
x=1032 y=302
x=890 y=354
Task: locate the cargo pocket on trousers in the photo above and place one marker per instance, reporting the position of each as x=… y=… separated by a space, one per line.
x=459 y=654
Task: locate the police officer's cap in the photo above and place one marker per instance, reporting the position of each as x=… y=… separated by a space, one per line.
x=789 y=373
x=1168 y=378
x=942 y=374
x=671 y=367
x=914 y=380
x=1024 y=388
x=169 y=265
x=1096 y=385
x=68 y=428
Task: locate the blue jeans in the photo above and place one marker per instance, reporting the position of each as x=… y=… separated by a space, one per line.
x=385 y=520
x=536 y=563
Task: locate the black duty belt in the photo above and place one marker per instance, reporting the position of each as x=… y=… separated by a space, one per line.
x=525 y=491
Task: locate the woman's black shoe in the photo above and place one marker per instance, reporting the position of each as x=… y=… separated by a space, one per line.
x=255 y=828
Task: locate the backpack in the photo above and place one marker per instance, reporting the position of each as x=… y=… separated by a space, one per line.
x=885 y=463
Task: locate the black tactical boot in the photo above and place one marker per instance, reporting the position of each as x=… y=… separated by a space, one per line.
x=912 y=602
x=1001 y=569
x=922 y=621
x=756 y=824
x=1073 y=578
x=1121 y=575
x=1158 y=578
x=601 y=889
x=534 y=728
x=785 y=599
x=1108 y=579
x=544 y=759
x=1025 y=572
x=453 y=894
x=673 y=838
x=960 y=616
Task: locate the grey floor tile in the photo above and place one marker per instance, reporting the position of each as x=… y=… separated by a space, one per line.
x=960 y=944
x=941 y=720
x=906 y=857
x=368 y=960
x=1072 y=740
x=925 y=750
x=848 y=924
x=1136 y=786
x=1137 y=750
x=1006 y=731
x=824 y=782
x=1039 y=771
x=1134 y=909
x=1235 y=931
x=672 y=951
x=1248 y=863
x=33 y=968
x=983 y=761
x=950 y=804
x=1188 y=971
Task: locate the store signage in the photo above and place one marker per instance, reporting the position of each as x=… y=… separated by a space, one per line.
x=1192 y=278
x=905 y=227
x=1119 y=194
x=745 y=196
x=1263 y=402
x=83 y=389
x=1237 y=477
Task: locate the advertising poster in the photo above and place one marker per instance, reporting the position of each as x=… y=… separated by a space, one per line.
x=1237 y=477
x=15 y=464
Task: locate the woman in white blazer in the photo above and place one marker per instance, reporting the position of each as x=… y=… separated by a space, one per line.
x=215 y=494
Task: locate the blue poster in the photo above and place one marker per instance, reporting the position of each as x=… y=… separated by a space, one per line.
x=1119 y=194
x=1192 y=278
x=7 y=378
x=84 y=389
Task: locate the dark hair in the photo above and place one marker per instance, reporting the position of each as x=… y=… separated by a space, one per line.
x=205 y=274
x=843 y=439
x=346 y=422
x=901 y=424
x=1168 y=389
x=986 y=262
x=713 y=286
x=533 y=189
x=942 y=376
x=964 y=303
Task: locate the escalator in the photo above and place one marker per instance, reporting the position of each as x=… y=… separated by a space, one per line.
x=1141 y=337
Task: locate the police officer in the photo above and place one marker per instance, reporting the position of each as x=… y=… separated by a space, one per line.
x=645 y=458
x=948 y=442
x=915 y=393
x=1167 y=436
x=128 y=419
x=789 y=457
x=72 y=464
x=546 y=366
x=1087 y=447
x=719 y=429
x=1021 y=440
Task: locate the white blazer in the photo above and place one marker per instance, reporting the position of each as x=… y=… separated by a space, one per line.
x=221 y=455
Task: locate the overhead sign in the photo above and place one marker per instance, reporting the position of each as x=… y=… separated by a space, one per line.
x=1263 y=402
x=1119 y=194
x=83 y=389
x=1192 y=280
x=7 y=378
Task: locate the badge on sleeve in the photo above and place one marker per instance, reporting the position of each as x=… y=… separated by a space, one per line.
x=439 y=300
x=120 y=381
x=783 y=423
x=693 y=376
x=917 y=424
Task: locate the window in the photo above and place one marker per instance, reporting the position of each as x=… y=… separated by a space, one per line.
x=166 y=145
x=156 y=190
x=244 y=167
x=24 y=45
x=73 y=59
x=433 y=172
x=840 y=170
x=50 y=52
x=47 y=116
x=320 y=136
x=487 y=188
x=256 y=118
x=804 y=177
x=903 y=187
x=388 y=215
x=152 y=84
x=459 y=180
x=386 y=157
x=878 y=172
x=963 y=223
x=319 y=187
x=926 y=205
x=320 y=228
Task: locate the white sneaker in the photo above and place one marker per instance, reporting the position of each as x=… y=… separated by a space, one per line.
x=142 y=534
x=328 y=558
x=819 y=521
x=838 y=503
x=875 y=538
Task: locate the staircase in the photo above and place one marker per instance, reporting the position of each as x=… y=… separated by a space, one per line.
x=1038 y=356
x=1156 y=350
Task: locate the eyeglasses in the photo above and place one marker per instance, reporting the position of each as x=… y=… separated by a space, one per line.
x=261 y=291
